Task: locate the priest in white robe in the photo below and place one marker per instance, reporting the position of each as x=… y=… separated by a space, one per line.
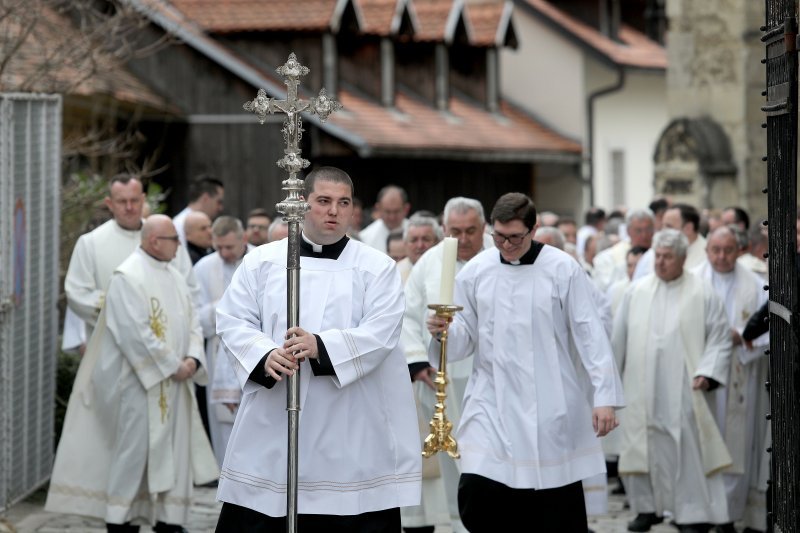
x=741 y=291
x=133 y=444
x=359 y=450
x=672 y=341
x=610 y=264
x=98 y=253
x=464 y=220
x=685 y=218
x=392 y=208
x=527 y=434
x=214 y=273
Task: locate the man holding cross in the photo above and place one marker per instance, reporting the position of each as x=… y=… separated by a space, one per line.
x=358 y=438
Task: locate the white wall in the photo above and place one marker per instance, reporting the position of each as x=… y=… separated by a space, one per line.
x=545 y=74
x=631 y=121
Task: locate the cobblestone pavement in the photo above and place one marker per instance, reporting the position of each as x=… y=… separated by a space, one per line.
x=29 y=517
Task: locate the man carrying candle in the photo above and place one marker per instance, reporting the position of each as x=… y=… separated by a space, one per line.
x=463 y=223
x=527 y=434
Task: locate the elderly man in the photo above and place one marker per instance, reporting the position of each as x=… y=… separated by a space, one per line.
x=741 y=292
x=206 y=194
x=609 y=265
x=197 y=226
x=686 y=219
x=673 y=344
x=214 y=273
x=358 y=430
x=98 y=253
x=279 y=229
x=133 y=445
x=421 y=234
x=464 y=220
x=258 y=223
x=392 y=208
x=528 y=433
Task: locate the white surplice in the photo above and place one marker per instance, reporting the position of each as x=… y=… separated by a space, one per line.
x=95 y=257
x=609 y=266
x=672 y=453
x=376 y=234
x=526 y=421
x=133 y=443
x=439 y=492
x=358 y=436
x=213 y=277
x=179 y=221
x=742 y=294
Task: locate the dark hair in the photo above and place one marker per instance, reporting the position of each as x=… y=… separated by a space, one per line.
x=514 y=206
x=636 y=250
x=659 y=205
x=394 y=237
x=740 y=216
x=259 y=212
x=204 y=184
x=336 y=175
x=594 y=215
x=689 y=213
x=124 y=179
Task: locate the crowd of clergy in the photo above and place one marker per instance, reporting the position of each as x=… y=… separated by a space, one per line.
x=645 y=319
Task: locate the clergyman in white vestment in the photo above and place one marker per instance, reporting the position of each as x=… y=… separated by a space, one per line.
x=359 y=449
x=527 y=434
x=133 y=444
x=673 y=344
x=741 y=291
x=206 y=194
x=214 y=273
x=392 y=207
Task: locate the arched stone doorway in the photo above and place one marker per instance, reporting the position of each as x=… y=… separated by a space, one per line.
x=694 y=164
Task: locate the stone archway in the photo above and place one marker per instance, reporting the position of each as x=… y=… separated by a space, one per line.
x=693 y=164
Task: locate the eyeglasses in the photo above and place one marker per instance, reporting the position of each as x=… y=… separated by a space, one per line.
x=500 y=239
x=173 y=238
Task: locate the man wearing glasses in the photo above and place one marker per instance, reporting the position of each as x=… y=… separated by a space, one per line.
x=133 y=444
x=528 y=434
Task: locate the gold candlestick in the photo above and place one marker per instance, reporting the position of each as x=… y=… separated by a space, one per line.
x=440 y=439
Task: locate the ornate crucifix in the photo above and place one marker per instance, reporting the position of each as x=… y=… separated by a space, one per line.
x=293 y=208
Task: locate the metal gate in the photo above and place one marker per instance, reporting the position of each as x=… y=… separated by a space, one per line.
x=780 y=38
x=30 y=141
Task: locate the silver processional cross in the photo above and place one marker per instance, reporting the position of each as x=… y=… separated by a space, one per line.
x=293 y=209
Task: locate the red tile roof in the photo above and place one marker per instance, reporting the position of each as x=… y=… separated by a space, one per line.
x=378 y=15
x=635 y=50
x=465 y=130
x=485 y=19
x=222 y=16
x=42 y=65
x=433 y=16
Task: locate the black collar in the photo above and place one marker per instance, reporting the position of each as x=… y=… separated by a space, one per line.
x=329 y=251
x=530 y=256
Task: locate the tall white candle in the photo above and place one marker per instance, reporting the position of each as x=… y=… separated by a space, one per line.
x=449 y=249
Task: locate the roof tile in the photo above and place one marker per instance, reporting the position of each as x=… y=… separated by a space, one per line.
x=223 y=16
x=378 y=15
x=485 y=18
x=432 y=16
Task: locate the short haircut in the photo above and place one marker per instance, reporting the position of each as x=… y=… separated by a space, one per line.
x=394 y=237
x=462 y=205
x=689 y=214
x=332 y=174
x=123 y=179
x=423 y=221
x=740 y=216
x=742 y=240
x=514 y=206
x=563 y=221
x=641 y=213
x=390 y=188
x=225 y=224
x=204 y=184
x=554 y=233
x=658 y=205
x=594 y=215
x=279 y=221
x=259 y=212
x=671 y=238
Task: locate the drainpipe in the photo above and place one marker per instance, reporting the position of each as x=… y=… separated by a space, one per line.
x=588 y=155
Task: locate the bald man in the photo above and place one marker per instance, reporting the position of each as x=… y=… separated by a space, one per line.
x=132 y=424
x=197 y=226
x=392 y=208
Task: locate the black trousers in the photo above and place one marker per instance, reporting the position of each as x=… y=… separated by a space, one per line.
x=237 y=519
x=487 y=506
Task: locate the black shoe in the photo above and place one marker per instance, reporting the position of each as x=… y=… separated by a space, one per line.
x=726 y=528
x=644 y=521
x=695 y=528
x=162 y=527
x=619 y=489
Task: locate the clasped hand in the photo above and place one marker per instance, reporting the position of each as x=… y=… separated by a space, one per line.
x=299 y=344
x=186 y=369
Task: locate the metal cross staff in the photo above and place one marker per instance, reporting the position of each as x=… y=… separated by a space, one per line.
x=294 y=210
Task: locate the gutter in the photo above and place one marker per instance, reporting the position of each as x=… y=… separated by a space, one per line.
x=588 y=154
